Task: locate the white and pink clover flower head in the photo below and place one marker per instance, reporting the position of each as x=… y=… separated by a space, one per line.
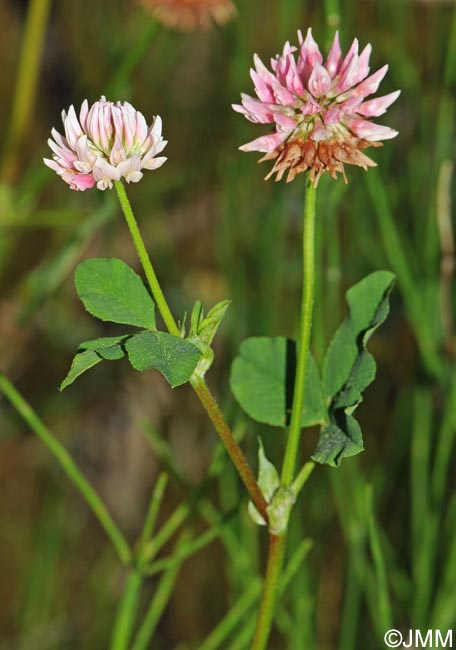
x=108 y=142
x=318 y=108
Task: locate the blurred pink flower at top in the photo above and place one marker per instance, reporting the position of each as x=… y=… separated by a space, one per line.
x=187 y=15
x=319 y=109
x=109 y=141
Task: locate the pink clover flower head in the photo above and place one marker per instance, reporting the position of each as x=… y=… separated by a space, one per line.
x=109 y=141
x=318 y=108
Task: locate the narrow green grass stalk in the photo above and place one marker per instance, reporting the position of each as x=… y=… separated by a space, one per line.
x=422 y=559
x=168 y=529
x=158 y=603
x=301 y=621
x=277 y=544
x=199 y=384
x=242 y=639
x=236 y=614
x=299 y=605
x=239 y=558
x=236 y=551
x=351 y=608
x=209 y=513
x=30 y=57
x=69 y=467
x=40 y=588
x=444 y=445
x=127 y=611
x=190 y=549
x=349 y=494
x=152 y=512
x=294 y=563
x=162 y=450
x=177 y=518
x=384 y=611
x=419 y=462
x=443 y=612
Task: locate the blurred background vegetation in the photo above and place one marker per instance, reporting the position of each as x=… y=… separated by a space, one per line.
x=216 y=230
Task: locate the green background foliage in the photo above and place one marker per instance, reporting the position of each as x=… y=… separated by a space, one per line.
x=372 y=544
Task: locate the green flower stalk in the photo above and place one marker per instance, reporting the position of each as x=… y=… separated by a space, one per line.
x=277 y=542
x=198 y=382
x=320 y=117
x=107 y=143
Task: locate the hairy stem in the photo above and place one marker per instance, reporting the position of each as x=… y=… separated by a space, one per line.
x=210 y=405
x=277 y=544
x=308 y=281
